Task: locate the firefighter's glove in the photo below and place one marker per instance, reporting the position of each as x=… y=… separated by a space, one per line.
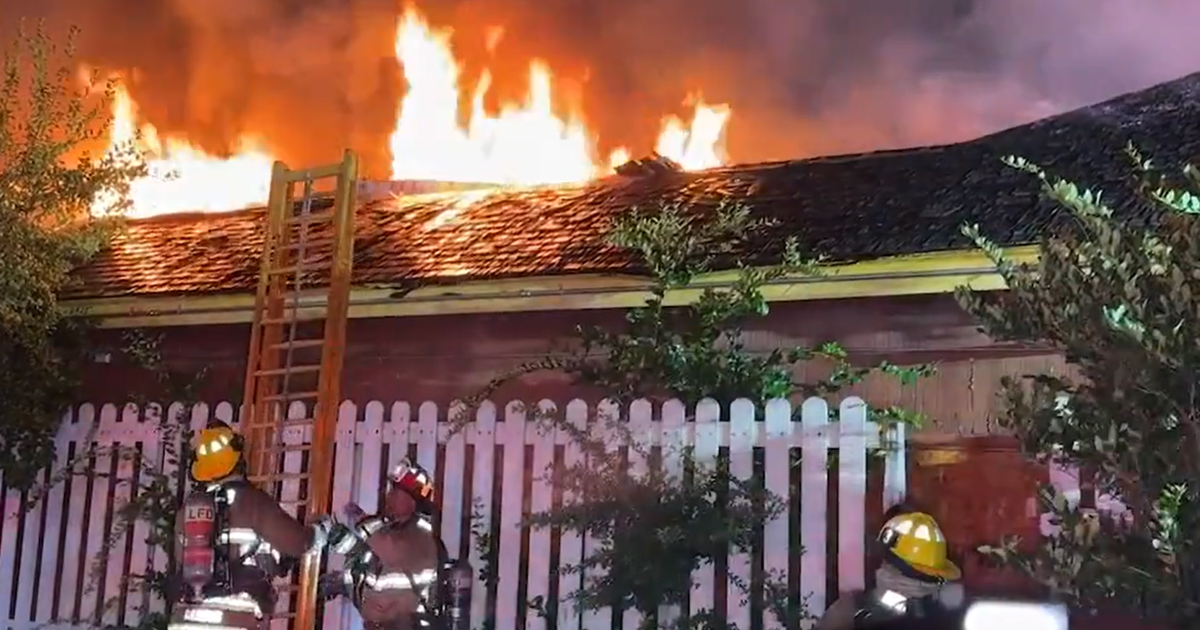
x=341 y=539
x=332 y=585
x=320 y=532
x=353 y=513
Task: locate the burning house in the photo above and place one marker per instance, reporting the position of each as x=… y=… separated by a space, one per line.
x=451 y=288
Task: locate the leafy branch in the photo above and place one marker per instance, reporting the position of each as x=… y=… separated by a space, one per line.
x=47 y=192
x=154 y=498
x=654 y=529
x=1115 y=293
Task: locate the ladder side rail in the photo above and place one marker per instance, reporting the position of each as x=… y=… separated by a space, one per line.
x=261 y=431
x=329 y=387
x=334 y=351
x=255 y=412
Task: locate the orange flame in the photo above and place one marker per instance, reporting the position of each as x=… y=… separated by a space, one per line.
x=525 y=143
x=183 y=178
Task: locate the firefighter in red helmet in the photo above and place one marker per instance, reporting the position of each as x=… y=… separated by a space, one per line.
x=396 y=568
x=250 y=539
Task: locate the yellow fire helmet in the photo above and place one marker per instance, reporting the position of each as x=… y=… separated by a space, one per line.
x=915 y=540
x=218 y=451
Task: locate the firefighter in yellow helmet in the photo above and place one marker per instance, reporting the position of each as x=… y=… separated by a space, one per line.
x=233 y=538
x=915 y=578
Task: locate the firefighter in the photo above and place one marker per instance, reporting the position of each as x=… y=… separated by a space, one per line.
x=916 y=579
x=253 y=539
x=396 y=568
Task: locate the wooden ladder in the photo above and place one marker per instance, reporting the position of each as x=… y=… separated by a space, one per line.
x=297 y=347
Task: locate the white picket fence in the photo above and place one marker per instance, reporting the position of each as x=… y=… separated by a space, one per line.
x=48 y=553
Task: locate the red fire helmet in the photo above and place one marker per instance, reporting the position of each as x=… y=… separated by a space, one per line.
x=412 y=479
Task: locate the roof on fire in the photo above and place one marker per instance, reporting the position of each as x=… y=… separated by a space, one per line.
x=849 y=208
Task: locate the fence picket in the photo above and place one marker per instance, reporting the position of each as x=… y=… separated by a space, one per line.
x=814 y=493
x=777 y=470
x=674 y=437
x=512 y=507
x=30 y=583
x=55 y=514
x=743 y=435
x=542 y=500
x=73 y=544
x=895 y=467
x=398 y=435
x=118 y=533
x=571 y=543
x=10 y=530
x=481 y=500
x=147 y=440
x=641 y=441
x=370 y=435
x=852 y=494
x=343 y=468
x=427 y=438
x=224 y=411
x=293 y=461
x=171 y=426
x=29 y=552
x=708 y=445
x=454 y=484
x=607 y=413
x=92 y=600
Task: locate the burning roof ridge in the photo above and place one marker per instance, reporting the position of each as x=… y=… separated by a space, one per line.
x=416 y=191
x=196 y=215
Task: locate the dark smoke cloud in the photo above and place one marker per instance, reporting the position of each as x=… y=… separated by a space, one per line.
x=804 y=77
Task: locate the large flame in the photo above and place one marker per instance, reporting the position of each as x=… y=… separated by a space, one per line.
x=183 y=178
x=524 y=143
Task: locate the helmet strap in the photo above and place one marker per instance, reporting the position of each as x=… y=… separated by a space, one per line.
x=905 y=569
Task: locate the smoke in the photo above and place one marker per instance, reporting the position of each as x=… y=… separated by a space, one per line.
x=804 y=77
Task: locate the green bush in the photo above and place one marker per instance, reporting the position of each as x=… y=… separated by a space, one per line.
x=47 y=190
x=1119 y=295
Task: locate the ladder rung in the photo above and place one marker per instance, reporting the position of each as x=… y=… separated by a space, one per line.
x=288 y=448
x=293 y=369
x=291 y=396
x=273 y=477
x=281 y=424
x=308 y=264
x=278 y=424
x=320 y=172
x=312 y=217
x=302 y=316
x=309 y=312
x=313 y=244
x=303 y=292
x=297 y=344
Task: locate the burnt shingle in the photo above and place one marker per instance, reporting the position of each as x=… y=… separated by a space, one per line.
x=847 y=208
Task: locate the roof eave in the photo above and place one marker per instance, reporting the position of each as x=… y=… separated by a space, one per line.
x=931 y=273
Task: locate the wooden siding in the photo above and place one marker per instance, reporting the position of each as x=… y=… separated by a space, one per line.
x=446 y=357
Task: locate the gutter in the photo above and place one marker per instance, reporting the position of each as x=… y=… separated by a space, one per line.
x=923 y=274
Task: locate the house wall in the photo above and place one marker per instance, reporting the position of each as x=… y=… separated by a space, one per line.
x=443 y=358
x=984 y=492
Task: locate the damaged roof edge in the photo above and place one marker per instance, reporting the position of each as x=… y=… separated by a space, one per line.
x=937 y=272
